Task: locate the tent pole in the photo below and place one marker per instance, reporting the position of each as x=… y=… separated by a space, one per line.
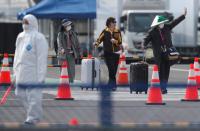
x=88 y=39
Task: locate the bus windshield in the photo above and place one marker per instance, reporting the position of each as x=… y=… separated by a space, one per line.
x=141 y=22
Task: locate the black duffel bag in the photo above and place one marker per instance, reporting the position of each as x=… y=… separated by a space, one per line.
x=172 y=55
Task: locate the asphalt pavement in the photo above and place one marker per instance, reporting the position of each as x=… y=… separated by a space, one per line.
x=127 y=109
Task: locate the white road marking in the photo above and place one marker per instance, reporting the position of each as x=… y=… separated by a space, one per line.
x=120 y=95
x=174 y=69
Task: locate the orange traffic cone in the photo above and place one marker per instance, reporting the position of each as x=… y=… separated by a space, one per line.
x=122 y=78
x=191 y=93
x=73 y=122
x=197 y=71
x=5 y=72
x=122 y=56
x=154 y=92
x=5 y=59
x=64 y=92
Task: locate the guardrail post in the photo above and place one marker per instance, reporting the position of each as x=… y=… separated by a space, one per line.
x=105 y=106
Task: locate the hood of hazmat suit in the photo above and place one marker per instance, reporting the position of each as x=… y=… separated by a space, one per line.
x=30 y=61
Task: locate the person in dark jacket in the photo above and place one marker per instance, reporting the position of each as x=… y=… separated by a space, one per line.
x=68 y=47
x=160 y=37
x=112 y=40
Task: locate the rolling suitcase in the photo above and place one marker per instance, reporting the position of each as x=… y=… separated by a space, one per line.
x=139 y=77
x=90 y=73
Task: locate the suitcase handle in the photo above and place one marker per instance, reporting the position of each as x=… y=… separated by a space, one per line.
x=93 y=67
x=95 y=73
x=144 y=57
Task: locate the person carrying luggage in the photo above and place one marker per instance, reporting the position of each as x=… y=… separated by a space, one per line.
x=112 y=44
x=160 y=37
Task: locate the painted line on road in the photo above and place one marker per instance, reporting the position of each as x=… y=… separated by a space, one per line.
x=153 y=124
x=175 y=69
x=114 y=99
x=183 y=70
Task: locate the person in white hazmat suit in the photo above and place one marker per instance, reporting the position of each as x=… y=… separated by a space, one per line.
x=30 y=67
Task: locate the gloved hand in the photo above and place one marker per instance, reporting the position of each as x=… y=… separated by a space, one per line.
x=113 y=41
x=13 y=82
x=62 y=51
x=122 y=48
x=185 y=11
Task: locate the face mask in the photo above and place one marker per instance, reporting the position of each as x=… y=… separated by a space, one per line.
x=68 y=28
x=161 y=26
x=25 y=27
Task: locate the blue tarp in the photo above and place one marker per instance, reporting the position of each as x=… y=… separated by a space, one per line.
x=53 y=9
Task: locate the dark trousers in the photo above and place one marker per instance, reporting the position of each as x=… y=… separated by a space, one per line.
x=71 y=66
x=111 y=60
x=164 y=70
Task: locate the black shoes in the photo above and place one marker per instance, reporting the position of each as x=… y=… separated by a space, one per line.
x=114 y=89
x=31 y=123
x=164 y=91
x=27 y=123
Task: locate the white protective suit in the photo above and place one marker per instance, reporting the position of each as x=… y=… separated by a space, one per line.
x=30 y=67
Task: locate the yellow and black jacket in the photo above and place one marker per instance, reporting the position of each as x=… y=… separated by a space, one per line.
x=106 y=36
